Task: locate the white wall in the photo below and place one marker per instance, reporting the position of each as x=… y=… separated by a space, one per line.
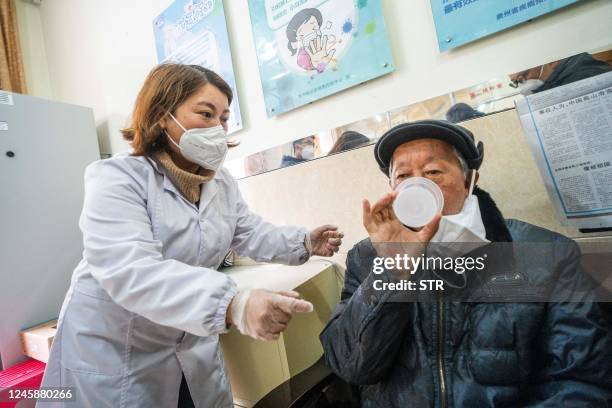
x=98 y=53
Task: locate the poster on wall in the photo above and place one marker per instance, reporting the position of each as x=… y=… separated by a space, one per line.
x=310 y=49
x=195 y=32
x=461 y=21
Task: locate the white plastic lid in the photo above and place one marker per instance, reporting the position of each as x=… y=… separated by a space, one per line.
x=418 y=201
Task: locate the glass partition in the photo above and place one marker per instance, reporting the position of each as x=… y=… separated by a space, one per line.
x=490 y=96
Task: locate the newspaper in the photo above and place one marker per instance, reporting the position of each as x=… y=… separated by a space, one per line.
x=569 y=131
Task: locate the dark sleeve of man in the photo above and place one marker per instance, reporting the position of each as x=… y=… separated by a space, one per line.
x=364 y=334
x=574 y=68
x=575 y=346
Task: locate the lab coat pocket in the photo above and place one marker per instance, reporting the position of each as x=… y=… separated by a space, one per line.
x=95 y=335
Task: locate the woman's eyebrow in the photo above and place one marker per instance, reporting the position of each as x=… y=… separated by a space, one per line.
x=208 y=104
x=211 y=106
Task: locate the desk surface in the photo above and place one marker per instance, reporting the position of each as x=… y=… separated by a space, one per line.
x=276 y=277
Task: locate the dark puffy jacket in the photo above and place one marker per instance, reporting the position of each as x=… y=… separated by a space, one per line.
x=572 y=69
x=473 y=354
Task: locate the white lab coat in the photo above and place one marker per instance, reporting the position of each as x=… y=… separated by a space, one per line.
x=146 y=301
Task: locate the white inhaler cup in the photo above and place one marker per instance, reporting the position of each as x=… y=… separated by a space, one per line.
x=418 y=201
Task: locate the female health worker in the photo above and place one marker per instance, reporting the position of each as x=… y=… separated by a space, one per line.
x=146 y=303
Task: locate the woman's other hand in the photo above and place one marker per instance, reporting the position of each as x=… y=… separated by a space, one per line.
x=325 y=240
x=263 y=314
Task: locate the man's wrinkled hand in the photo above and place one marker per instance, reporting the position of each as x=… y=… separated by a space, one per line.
x=385 y=229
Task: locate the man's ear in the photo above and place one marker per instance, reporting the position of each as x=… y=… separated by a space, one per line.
x=468 y=180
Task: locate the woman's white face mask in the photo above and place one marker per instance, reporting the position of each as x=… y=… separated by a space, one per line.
x=206 y=147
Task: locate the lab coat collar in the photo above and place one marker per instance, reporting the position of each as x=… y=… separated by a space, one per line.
x=209 y=191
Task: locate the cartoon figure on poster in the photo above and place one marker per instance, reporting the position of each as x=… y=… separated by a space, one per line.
x=315 y=38
x=310 y=49
x=304 y=32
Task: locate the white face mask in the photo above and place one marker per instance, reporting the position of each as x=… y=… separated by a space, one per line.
x=306 y=39
x=308 y=152
x=463 y=232
x=529 y=85
x=206 y=147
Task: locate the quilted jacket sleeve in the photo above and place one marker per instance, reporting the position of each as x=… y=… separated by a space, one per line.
x=352 y=342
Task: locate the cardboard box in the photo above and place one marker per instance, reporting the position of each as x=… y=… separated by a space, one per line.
x=36 y=341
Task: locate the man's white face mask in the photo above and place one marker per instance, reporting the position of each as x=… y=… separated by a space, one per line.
x=419 y=199
x=528 y=86
x=461 y=233
x=458 y=234
x=206 y=147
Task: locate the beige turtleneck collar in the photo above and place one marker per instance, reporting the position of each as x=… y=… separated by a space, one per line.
x=188 y=183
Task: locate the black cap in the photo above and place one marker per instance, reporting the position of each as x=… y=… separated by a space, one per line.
x=455 y=135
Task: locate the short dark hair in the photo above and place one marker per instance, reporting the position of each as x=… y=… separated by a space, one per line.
x=349 y=140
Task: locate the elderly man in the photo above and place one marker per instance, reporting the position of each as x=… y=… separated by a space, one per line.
x=494 y=337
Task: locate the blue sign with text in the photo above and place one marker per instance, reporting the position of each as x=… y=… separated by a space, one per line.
x=461 y=21
x=194 y=32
